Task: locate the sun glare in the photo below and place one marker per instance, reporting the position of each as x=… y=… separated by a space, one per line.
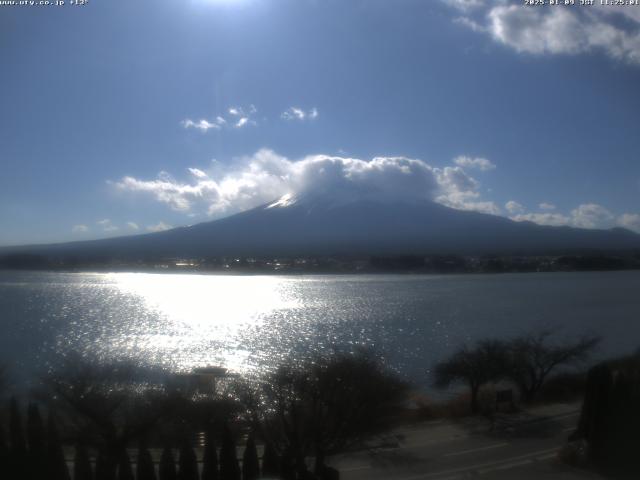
x=199 y=312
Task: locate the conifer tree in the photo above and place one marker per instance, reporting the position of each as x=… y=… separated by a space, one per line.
x=17 y=467
x=187 y=463
x=167 y=465
x=210 y=459
x=145 y=469
x=270 y=462
x=82 y=465
x=4 y=450
x=229 y=468
x=36 y=441
x=56 y=462
x=125 y=472
x=250 y=463
x=105 y=467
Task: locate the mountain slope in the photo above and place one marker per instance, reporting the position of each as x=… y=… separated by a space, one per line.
x=363 y=226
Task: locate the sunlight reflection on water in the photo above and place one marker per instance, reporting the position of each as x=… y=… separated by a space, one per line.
x=206 y=313
x=253 y=323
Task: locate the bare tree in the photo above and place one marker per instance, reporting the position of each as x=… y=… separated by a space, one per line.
x=533 y=357
x=325 y=406
x=106 y=404
x=475 y=367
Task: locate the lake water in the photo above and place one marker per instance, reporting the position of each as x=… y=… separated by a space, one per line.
x=251 y=323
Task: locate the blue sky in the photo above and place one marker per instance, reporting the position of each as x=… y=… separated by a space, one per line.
x=123 y=117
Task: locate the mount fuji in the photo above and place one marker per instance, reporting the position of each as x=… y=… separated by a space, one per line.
x=334 y=224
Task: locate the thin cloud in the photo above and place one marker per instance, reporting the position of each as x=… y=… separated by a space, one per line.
x=204 y=125
x=552 y=219
x=196 y=172
x=477 y=163
x=80 y=229
x=555 y=31
x=514 y=207
x=107 y=226
x=159 y=227
x=242 y=117
x=235 y=117
x=295 y=113
x=133 y=226
x=464 y=5
x=592 y=215
x=630 y=221
x=586 y=215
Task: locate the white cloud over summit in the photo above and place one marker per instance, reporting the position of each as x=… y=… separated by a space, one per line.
x=260 y=178
x=568 y=30
x=265 y=176
x=457 y=189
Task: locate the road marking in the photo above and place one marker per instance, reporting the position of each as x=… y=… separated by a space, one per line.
x=480 y=449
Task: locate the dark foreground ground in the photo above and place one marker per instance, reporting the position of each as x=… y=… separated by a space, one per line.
x=519 y=446
x=523 y=446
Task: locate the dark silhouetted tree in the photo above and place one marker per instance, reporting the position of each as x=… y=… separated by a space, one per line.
x=250 y=463
x=18 y=448
x=325 y=406
x=534 y=357
x=105 y=399
x=484 y=363
x=210 y=459
x=4 y=453
x=105 y=466
x=187 y=463
x=610 y=417
x=167 y=466
x=287 y=467
x=144 y=468
x=36 y=439
x=56 y=462
x=229 y=468
x=270 y=461
x=125 y=472
x=82 y=465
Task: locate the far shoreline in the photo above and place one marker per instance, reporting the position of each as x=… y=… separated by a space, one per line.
x=285 y=273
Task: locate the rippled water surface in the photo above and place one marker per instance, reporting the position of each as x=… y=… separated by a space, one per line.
x=250 y=323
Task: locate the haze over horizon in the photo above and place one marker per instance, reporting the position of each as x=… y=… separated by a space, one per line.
x=114 y=126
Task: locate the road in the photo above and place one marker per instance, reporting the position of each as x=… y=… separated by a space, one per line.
x=523 y=446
